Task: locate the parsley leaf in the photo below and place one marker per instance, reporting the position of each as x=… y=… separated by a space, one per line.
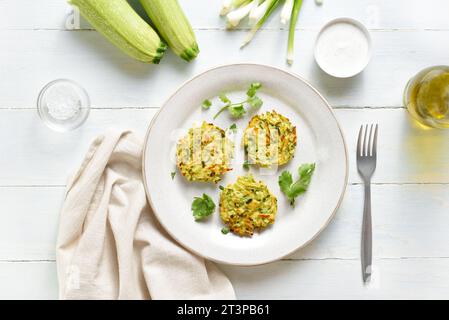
x=246 y=165
x=173 y=174
x=237 y=111
x=252 y=90
x=225 y=230
x=255 y=102
x=294 y=189
x=224 y=98
x=206 y=104
x=285 y=181
x=233 y=127
x=202 y=207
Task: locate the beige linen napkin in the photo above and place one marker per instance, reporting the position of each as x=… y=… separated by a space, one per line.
x=110 y=245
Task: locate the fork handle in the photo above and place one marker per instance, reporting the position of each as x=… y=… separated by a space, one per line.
x=366 y=245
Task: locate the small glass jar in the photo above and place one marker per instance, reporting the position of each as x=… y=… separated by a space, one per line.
x=426 y=97
x=63 y=105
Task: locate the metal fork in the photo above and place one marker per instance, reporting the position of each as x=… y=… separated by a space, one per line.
x=366 y=164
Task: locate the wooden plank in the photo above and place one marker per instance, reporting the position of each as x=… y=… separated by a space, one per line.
x=29 y=222
x=32 y=154
x=380 y=14
x=341 y=279
x=28 y=280
x=122 y=82
x=408 y=221
x=313 y=279
x=407 y=153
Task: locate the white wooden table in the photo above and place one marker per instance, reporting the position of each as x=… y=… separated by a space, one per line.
x=411 y=191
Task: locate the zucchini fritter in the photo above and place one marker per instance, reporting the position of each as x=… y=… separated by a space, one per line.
x=269 y=139
x=204 y=154
x=247 y=205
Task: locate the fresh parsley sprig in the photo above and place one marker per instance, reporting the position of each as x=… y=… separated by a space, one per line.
x=294 y=189
x=233 y=128
x=238 y=110
x=206 y=104
x=202 y=207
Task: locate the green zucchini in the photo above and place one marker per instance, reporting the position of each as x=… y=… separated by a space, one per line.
x=173 y=26
x=121 y=25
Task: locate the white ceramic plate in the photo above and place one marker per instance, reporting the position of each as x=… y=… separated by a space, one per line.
x=320 y=140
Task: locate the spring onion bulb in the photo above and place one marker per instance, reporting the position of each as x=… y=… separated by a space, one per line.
x=258 y=11
x=226 y=6
x=291 y=34
x=239 y=3
x=286 y=12
x=229 y=5
x=272 y=5
x=234 y=17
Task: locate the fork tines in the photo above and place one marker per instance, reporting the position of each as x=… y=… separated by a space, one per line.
x=367 y=142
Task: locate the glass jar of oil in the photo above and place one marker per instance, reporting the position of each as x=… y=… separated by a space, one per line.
x=426 y=97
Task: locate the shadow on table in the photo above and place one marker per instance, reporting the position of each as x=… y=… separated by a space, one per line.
x=108 y=53
x=259 y=281
x=336 y=88
x=426 y=149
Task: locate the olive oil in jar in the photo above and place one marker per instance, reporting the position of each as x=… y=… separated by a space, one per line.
x=427 y=97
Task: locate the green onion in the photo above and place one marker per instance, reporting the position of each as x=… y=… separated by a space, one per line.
x=234 y=17
x=286 y=12
x=228 y=5
x=258 y=11
x=291 y=34
x=239 y=3
x=272 y=5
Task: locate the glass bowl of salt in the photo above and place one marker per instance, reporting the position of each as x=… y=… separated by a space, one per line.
x=63 y=105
